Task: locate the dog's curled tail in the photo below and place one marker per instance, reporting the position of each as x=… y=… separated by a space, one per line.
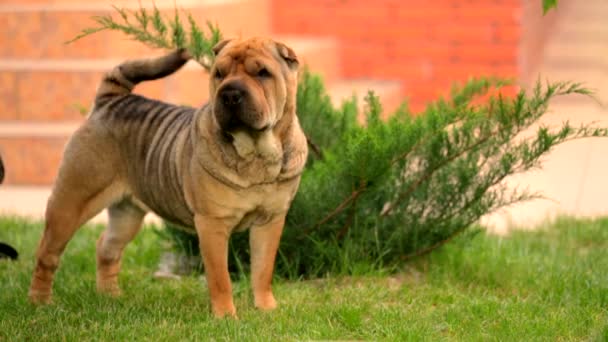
x=123 y=78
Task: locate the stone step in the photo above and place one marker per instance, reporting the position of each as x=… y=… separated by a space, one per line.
x=34 y=30
x=57 y=90
x=32 y=151
x=585 y=11
x=576 y=29
x=30 y=201
x=580 y=51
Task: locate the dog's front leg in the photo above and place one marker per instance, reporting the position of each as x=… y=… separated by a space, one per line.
x=213 y=237
x=264 y=242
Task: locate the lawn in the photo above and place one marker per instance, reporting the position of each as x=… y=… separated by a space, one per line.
x=550 y=284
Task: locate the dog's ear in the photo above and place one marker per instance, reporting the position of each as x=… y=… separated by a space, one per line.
x=220 y=45
x=288 y=55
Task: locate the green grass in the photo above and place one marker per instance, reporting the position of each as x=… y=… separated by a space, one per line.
x=550 y=285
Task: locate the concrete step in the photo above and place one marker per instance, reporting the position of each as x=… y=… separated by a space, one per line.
x=578 y=29
x=32 y=150
x=35 y=30
x=585 y=11
x=30 y=201
x=63 y=88
x=590 y=49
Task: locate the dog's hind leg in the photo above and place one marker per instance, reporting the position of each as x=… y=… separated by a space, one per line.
x=125 y=219
x=86 y=184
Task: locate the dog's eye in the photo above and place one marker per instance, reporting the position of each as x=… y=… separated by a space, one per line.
x=264 y=73
x=218 y=74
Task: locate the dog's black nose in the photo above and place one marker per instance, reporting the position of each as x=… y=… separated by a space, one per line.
x=231 y=97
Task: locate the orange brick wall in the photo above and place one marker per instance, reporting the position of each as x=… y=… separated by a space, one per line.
x=425 y=44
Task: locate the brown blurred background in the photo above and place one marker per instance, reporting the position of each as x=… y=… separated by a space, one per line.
x=403 y=49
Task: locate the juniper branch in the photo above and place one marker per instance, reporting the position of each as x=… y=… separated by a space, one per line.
x=156 y=31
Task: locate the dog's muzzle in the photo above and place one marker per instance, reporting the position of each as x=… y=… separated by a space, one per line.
x=231 y=97
x=234 y=109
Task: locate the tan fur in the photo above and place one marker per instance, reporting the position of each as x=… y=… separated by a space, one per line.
x=193 y=167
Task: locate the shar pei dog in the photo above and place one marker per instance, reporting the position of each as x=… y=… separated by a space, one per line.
x=233 y=164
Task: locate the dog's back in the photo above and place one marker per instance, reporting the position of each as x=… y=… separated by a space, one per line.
x=151 y=134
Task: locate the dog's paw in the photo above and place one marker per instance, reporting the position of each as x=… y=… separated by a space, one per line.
x=265 y=302
x=40 y=298
x=109 y=288
x=224 y=311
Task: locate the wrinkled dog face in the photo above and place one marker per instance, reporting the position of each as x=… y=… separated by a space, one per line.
x=251 y=84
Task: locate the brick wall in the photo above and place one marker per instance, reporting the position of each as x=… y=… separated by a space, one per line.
x=425 y=44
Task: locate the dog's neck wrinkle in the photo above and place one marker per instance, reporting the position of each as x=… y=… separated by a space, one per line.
x=220 y=159
x=295 y=146
x=249 y=158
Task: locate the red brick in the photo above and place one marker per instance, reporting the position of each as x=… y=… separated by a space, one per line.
x=486 y=14
x=408 y=23
x=426 y=91
x=452 y=33
x=420 y=94
x=484 y=53
x=461 y=72
x=423 y=14
x=370 y=11
x=506 y=70
x=387 y=31
x=508 y=34
x=431 y=50
x=418 y=70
